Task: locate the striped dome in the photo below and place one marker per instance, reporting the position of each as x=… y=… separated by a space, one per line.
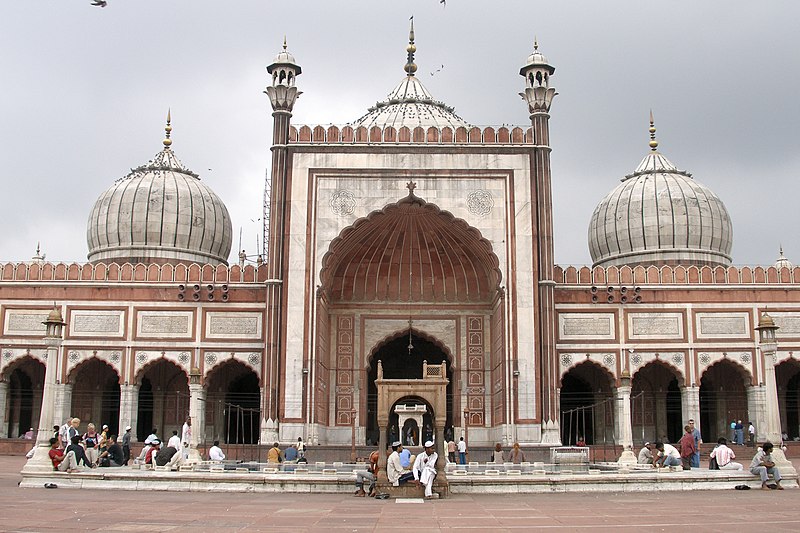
x=660 y=215
x=160 y=212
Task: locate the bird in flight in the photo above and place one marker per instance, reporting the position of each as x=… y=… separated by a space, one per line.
x=443 y=2
x=437 y=70
x=100 y=3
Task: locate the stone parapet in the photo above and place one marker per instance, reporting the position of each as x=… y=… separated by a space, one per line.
x=676 y=275
x=127 y=272
x=404 y=135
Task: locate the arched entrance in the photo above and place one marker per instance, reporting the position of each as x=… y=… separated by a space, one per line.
x=723 y=398
x=95 y=394
x=408 y=259
x=25 y=379
x=787 y=376
x=400 y=363
x=656 y=403
x=163 y=398
x=233 y=402
x=587 y=407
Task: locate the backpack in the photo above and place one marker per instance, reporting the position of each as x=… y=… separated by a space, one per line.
x=713 y=464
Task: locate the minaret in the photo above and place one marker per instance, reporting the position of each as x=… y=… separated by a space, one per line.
x=282 y=95
x=539 y=96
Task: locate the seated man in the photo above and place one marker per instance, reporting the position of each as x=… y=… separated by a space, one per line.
x=275 y=455
x=168 y=456
x=763 y=465
x=215 y=452
x=724 y=455
x=113 y=455
x=370 y=474
x=405 y=457
x=80 y=454
x=425 y=468
x=667 y=455
x=394 y=470
x=61 y=462
x=290 y=454
x=645 y=456
x=154 y=447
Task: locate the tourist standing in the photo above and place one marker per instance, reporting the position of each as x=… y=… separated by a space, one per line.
x=451 y=451
x=751 y=434
x=698 y=440
x=739 y=433
x=175 y=440
x=733 y=431
x=91 y=440
x=186 y=437
x=462 y=451
x=301 y=448
x=126 y=446
x=688 y=447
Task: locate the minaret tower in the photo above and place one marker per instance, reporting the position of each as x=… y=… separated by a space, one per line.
x=282 y=95
x=539 y=96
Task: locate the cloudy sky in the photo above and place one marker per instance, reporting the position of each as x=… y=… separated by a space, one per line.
x=84 y=93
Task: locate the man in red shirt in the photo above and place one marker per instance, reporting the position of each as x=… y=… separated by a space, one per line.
x=61 y=462
x=688 y=447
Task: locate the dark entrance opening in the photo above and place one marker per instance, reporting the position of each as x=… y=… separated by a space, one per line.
x=163 y=399
x=25 y=381
x=656 y=404
x=95 y=395
x=233 y=404
x=398 y=363
x=723 y=399
x=587 y=412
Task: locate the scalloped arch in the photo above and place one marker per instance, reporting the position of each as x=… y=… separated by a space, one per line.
x=410 y=250
x=403 y=332
x=75 y=370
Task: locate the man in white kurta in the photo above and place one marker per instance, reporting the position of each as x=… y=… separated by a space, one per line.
x=425 y=468
x=394 y=470
x=186 y=437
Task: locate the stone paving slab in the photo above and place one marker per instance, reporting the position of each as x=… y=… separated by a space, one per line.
x=39 y=509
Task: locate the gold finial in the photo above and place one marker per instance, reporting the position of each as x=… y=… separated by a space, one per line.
x=168 y=130
x=411 y=67
x=284 y=43
x=535 y=43
x=653 y=141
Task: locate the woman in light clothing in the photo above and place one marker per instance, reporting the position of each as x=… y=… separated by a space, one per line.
x=497 y=454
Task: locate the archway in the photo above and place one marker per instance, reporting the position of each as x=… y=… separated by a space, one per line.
x=25 y=379
x=787 y=376
x=411 y=430
x=656 y=403
x=163 y=398
x=400 y=363
x=723 y=398
x=95 y=394
x=233 y=402
x=587 y=409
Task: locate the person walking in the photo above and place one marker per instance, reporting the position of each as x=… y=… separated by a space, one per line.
x=451 y=451
x=126 y=446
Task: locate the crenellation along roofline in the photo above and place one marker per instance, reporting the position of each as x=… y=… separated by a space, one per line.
x=348 y=134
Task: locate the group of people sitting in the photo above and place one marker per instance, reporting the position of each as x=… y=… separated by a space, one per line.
x=722 y=457
x=71 y=451
x=295 y=453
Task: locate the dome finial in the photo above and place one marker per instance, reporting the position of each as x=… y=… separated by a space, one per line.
x=168 y=130
x=653 y=141
x=284 y=43
x=535 y=43
x=411 y=67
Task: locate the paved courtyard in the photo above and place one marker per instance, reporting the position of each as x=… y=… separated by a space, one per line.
x=67 y=510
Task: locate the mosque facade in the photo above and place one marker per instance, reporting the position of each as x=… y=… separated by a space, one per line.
x=406 y=238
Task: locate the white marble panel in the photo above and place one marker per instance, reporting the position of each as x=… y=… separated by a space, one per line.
x=24 y=322
x=789 y=323
x=583 y=326
x=97 y=323
x=723 y=325
x=161 y=324
x=655 y=326
x=239 y=325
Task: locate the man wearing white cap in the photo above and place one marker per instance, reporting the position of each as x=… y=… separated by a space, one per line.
x=425 y=468
x=394 y=470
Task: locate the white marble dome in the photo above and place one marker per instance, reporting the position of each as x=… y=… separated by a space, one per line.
x=660 y=215
x=160 y=212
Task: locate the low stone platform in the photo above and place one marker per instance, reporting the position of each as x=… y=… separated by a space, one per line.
x=340 y=482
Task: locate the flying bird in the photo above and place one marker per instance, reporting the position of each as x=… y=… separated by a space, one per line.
x=437 y=70
x=100 y=3
x=443 y=2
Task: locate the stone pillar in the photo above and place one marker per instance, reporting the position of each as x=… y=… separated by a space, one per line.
x=40 y=462
x=690 y=406
x=756 y=410
x=128 y=409
x=197 y=410
x=3 y=408
x=768 y=347
x=660 y=414
x=62 y=408
x=623 y=397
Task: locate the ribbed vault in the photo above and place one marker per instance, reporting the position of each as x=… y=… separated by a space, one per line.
x=410 y=251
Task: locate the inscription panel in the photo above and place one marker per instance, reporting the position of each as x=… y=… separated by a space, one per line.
x=788 y=322
x=583 y=326
x=96 y=323
x=22 y=322
x=723 y=325
x=655 y=325
x=160 y=324
x=235 y=325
